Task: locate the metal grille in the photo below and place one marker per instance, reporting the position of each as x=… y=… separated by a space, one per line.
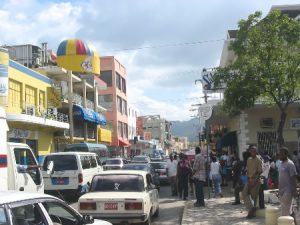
x=267 y=141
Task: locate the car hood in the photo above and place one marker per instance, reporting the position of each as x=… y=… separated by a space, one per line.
x=112 y=195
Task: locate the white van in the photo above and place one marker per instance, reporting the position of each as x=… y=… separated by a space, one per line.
x=72 y=172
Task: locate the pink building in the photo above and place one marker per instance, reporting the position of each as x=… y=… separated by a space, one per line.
x=114 y=99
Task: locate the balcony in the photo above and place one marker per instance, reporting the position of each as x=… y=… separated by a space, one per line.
x=40 y=116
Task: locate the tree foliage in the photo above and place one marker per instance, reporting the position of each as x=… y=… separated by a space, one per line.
x=266 y=67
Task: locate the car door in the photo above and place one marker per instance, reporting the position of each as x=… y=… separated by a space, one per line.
x=28 y=176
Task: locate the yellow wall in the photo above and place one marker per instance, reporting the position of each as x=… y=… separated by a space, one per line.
x=25 y=79
x=45 y=142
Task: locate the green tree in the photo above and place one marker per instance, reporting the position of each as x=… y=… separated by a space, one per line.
x=266 y=67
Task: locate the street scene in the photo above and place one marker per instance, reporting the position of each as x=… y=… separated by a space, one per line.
x=149 y=112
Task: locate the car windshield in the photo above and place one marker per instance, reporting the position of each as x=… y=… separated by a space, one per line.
x=61 y=162
x=159 y=165
x=118 y=183
x=113 y=162
x=134 y=167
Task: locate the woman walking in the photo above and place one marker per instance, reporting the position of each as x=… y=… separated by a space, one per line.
x=216 y=176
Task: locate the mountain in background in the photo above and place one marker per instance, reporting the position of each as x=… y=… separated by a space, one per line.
x=188 y=129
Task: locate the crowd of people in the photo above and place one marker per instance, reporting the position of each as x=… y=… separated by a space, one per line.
x=250 y=176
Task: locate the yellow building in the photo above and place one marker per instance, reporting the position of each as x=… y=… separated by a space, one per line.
x=29 y=118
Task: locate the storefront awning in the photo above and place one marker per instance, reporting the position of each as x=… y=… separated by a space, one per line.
x=124 y=143
x=81 y=113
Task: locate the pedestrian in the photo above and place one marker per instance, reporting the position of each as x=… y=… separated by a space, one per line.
x=236 y=171
x=287 y=187
x=223 y=162
x=191 y=179
x=199 y=177
x=171 y=173
x=183 y=171
x=242 y=179
x=215 y=176
x=264 y=178
x=254 y=169
x=296 y=162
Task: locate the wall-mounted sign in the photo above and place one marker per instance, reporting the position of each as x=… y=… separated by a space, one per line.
x=295 y=123
x=205 y=111
x=104 y=135
x=208 y=82
x=20 y=133
x=147 y=136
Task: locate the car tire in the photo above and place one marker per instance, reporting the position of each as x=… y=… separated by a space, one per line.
x=156 y=214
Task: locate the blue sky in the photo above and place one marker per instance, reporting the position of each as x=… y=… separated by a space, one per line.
x=160 y=78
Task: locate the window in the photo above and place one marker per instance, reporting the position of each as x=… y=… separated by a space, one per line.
x=124 y=107
x=42 y=101
x=60 y=214
x=118 y=182
x=93 y=161
x=120 y=129
x=3 y=219
x=61 y=162
x=30 y=96
x=125 y=130
x=106 y=101
x=106 y=76
x=27 y=214
x=123 y=85
x=119 y=104
x=118 y=81
x=25 y=158
x=14 y=94
x=85 y=162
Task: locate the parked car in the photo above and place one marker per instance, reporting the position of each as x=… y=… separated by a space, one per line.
x=114 y=164
x=123 y=196
x=161 y=168
x=23 y=208
x=140 y=159
x=145 y=167
x=72 y=172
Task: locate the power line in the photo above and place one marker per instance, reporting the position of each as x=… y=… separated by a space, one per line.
x=183 y=44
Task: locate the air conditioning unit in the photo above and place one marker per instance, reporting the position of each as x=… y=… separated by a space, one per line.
x=30 y=110
x=266 y=123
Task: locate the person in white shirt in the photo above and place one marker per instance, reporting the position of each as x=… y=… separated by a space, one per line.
x=216 y=176
x=172 y=174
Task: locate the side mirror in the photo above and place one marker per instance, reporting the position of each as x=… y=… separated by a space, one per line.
x=87 y=219
x=50 y=167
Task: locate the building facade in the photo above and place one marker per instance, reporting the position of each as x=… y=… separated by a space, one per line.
x=114 y=99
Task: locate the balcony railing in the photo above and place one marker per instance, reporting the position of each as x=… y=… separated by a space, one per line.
x=47 y=113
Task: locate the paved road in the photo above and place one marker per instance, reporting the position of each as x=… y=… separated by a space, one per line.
x=170 y=208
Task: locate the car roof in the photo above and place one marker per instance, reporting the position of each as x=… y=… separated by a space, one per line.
x=16 y=196
x=72 y=153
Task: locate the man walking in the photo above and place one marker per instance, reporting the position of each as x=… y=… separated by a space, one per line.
x=171 y=173
x=254 y=169
x=199 y=177
x=287 y=183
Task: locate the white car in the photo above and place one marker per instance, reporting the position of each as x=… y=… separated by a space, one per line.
x=21 y=208
x=121 y=196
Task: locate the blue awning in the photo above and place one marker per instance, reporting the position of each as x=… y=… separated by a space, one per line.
x=81 y=113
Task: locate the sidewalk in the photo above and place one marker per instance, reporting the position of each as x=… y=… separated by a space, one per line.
x=219 y=211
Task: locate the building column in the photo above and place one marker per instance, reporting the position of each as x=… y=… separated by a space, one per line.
x=85 y=130
x=95 y=108
x=70 y=102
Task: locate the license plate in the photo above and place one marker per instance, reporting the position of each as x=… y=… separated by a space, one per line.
x=110 y=206
x=60 y=180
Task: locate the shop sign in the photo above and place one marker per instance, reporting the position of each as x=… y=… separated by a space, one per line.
x=295 y=123
x=148 y=136
x=104 y=135
x=19 y=133
x=205 y=111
